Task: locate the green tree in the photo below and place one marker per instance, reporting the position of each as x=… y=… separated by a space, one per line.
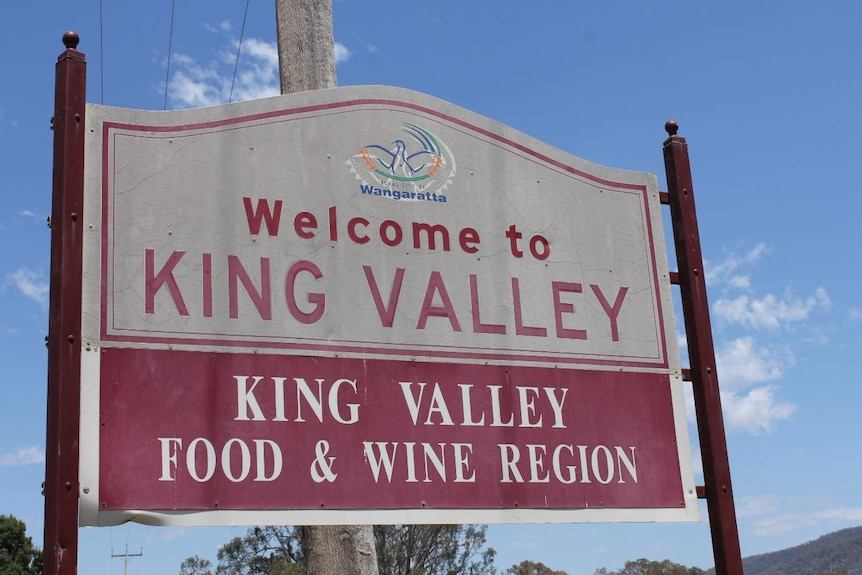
x=401 y=550
x=268 y=550
x=18 y=555
x=646 y=567
x=196 y=566
x=532 y=568
x=433 y=550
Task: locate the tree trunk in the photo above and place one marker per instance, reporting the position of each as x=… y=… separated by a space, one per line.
x=340 y=550
x=306 y=61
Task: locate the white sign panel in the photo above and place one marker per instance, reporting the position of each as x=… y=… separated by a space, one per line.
x=371 y=233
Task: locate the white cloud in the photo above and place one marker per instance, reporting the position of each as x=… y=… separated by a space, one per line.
x=855 y=314
x=740 y=282
x=24 y=456
x=841 y=514
x=766 y=312
x=195 y=83
x=757 y=506
x=173 y=533
x=342 y=54
x=29 y=214
x=727 y=272
x=31 y=284
x=266 y=52
x=756 y=411
x=741 y=364
x=780 y=524
x=257 y=76
x=744 y=363
x=770 y=312
x=223 y=26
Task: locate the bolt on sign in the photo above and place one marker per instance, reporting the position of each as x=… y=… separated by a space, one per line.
x=366 y=305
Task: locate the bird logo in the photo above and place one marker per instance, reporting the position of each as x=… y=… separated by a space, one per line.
x=417 y=165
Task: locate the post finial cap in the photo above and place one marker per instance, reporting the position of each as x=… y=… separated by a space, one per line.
x=671 y=127
x=71 y=39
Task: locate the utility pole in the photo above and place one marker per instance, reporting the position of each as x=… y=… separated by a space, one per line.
x=306 y=61
x=127 y=555
x=306 y=47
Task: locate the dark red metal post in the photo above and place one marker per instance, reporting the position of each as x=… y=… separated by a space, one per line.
x=64 y=322
x=701 y=352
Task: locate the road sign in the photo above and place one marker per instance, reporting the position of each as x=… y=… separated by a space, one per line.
x=368 y=305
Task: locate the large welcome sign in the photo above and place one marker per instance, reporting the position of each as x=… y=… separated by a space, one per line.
x=368 y=305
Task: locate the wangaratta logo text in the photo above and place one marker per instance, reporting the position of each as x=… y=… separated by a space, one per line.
x=415 y=167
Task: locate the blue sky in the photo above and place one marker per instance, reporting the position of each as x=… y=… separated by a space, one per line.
x=766 y=93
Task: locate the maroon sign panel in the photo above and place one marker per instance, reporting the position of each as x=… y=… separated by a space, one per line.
x=196 y=430
x=367 y=305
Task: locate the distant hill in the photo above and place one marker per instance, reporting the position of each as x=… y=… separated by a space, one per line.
x=835 y=552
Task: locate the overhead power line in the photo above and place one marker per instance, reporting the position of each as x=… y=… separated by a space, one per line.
x=170 y=44
x=238 y=49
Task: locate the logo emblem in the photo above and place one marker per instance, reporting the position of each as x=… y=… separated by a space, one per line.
x=417 y=166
